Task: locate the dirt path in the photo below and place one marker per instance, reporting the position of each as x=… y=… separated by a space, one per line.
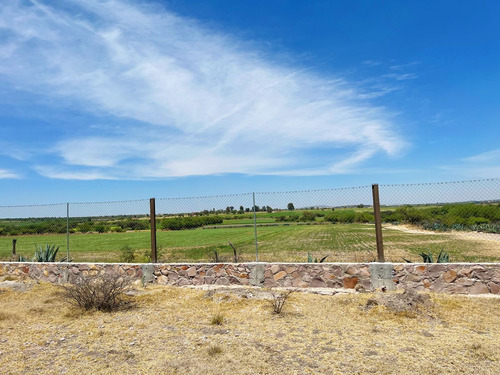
x=495 y=237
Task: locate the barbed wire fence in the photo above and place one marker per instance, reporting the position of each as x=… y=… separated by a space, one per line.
x=461 y=219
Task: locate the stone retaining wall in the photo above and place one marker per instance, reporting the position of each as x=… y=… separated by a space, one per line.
x=460 y=278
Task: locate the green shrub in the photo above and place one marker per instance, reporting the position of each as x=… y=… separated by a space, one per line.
x=101 y=228
x=308 y=216
x=345 y=216
x=411 y=214
x=364 y=217
x=473 y=220
x=179 y=223
x=85 y=227
x=127 y=254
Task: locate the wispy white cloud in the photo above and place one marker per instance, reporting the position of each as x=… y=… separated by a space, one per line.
x=14 y=151
x=404 y=66
x=201 y=101
x=5 y=174
x=483 y=165
x=71 y=174
x=485 y=157
x=402 y=76
x=372 y=63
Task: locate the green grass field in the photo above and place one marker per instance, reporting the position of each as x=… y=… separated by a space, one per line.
x=282 y=243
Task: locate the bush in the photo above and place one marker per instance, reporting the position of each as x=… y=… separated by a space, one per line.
x=101 y=228
x=135 y=224
x=308 y=216
x=103 y=293
x=364 y=217
x=179 y=223
x=85 y=227
x=346 y=216
x=127 y=254
x=411 y=214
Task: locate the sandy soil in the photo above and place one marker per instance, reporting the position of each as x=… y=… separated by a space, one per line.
x=495 y=237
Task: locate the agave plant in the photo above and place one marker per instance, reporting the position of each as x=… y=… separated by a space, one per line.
x=315 y=260
x=45 y=254
x=443 y=257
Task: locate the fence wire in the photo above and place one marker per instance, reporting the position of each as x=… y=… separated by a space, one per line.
x=458 y=219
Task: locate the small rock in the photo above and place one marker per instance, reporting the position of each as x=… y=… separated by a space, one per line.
x=275 y=268
x=479 y=288
x=351 y=270
x=350 y=282
x=132 y=343
x=495 y=288
x=449 y=276
x=279 y=275
x=191 y=272
x=427 y=334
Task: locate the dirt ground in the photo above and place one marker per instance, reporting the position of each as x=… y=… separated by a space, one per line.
x=170 y=331
x=493 y=237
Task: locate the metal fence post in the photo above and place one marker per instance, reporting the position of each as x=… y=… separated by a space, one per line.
x=378 y=223
x=152 y=218
x=255 y=229
x=67 y=232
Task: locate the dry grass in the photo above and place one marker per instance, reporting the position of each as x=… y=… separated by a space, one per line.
x=169 y=331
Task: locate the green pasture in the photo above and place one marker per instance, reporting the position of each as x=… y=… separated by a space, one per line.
x=283 y=243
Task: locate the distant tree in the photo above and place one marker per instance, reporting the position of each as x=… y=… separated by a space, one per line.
x=290 y=207
x=269 y=210
x=242 y=209
x=247 y=209
x=228 y=209
x=361 y=205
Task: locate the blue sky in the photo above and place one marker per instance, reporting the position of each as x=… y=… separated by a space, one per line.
x=112 y=100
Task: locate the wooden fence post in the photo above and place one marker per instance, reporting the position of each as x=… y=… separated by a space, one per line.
x=378 y=223
x=152 y=218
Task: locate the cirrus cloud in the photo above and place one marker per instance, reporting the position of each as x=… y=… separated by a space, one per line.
x=194 y=100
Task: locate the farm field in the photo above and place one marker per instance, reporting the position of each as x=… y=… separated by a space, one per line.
x=170 y=331
x=289 y=242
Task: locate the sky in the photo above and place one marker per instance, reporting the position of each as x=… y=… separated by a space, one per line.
x=121 y=99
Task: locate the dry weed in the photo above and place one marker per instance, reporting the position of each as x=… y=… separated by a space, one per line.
x=410 y=303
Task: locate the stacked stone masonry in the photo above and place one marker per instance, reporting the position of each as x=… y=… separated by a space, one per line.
x=454 y=278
